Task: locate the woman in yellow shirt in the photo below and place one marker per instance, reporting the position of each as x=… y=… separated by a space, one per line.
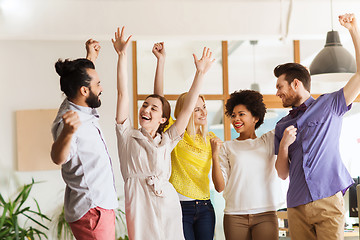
x=191 y=163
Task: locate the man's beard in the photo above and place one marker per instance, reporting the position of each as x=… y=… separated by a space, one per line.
x=291 y=100
x=93 y=101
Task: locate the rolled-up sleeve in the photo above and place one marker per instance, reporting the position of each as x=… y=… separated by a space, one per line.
x=123 y=130
x=277 y=139
x=338 y=102
x=122 y=133
x=224 y=163
x=73 y=145
x=270 y=142
x=173 y=135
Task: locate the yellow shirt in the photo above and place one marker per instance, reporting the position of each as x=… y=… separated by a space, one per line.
x=191 y=162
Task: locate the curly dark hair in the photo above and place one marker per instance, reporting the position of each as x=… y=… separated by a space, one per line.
x=252 y=100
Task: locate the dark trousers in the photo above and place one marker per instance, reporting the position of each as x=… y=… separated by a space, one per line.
x=198 y=219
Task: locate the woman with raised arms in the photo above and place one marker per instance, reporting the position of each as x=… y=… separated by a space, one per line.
x=191 y=162
x=151 y=202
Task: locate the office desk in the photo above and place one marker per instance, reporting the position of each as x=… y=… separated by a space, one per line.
x=352 y=235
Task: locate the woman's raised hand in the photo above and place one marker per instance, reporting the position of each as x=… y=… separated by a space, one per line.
x=159 y=50
x=120 y=44
x=204 y=63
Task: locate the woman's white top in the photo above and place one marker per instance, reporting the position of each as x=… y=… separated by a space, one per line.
x=251 y=182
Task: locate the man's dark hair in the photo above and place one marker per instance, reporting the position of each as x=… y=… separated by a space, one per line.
x=73 y=75
x=292 y=71
x=252 y=100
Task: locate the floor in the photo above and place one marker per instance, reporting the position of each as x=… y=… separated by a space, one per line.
x=346 y=238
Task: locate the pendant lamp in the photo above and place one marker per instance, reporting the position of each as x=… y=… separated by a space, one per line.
x=254 y=86
x=334 y=58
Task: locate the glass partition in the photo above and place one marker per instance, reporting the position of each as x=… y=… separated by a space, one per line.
x=250 y=64
x=179 y=67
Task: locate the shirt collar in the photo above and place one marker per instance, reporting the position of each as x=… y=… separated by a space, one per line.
x=86 y=110
x=308 y=102
x=155 y=140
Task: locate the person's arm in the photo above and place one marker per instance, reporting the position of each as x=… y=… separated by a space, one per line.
x=120 y=46
x=352 y=88
x=159 y=52
x=60 y=149
x=92 y=49
x=202 y=66
x=282 y=161
x=217 y=176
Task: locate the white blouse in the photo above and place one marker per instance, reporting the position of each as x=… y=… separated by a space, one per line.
x=251 y=182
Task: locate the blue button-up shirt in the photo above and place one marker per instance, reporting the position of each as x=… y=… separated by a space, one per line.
x=316 y=170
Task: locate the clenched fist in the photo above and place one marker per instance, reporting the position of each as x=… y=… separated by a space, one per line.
x=71 y=122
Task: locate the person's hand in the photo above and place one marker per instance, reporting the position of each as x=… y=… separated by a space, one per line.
x=348 y=21
x=120 y=44
x=216 y=143
x=159 y=50
x=289 y=136
x=205 y=62
x=71 y=122
x=92 y=49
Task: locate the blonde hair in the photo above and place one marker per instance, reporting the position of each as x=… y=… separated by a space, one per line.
x=191 y=124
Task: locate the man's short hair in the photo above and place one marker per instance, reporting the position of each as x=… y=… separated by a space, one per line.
x=292 y=71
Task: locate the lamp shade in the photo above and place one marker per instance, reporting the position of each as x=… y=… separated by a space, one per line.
x=255 y=87
x=333 y=58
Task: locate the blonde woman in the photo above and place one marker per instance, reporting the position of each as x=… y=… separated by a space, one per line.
x=151 y=203
x=191 y=162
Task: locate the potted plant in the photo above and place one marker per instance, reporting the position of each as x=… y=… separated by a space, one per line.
x=13 y=210
x=120 y=225
x=61 y=226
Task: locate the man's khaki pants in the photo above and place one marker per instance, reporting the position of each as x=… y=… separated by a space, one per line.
x=322 y=219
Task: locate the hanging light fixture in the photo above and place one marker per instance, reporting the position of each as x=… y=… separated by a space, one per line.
x=333 y=58
x=254 y=86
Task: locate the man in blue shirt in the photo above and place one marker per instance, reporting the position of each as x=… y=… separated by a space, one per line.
x=307 y=148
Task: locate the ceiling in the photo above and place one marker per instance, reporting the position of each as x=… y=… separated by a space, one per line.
x=171 y=19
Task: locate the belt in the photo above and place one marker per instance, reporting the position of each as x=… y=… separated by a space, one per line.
x=153 y=181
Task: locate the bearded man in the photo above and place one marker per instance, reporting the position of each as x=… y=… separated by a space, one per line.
x=79 y=147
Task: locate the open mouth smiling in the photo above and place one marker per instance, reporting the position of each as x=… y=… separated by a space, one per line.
x=238 y=125
x=145 y=117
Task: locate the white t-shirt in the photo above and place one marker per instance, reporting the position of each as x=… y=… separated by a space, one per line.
x=251 y=182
